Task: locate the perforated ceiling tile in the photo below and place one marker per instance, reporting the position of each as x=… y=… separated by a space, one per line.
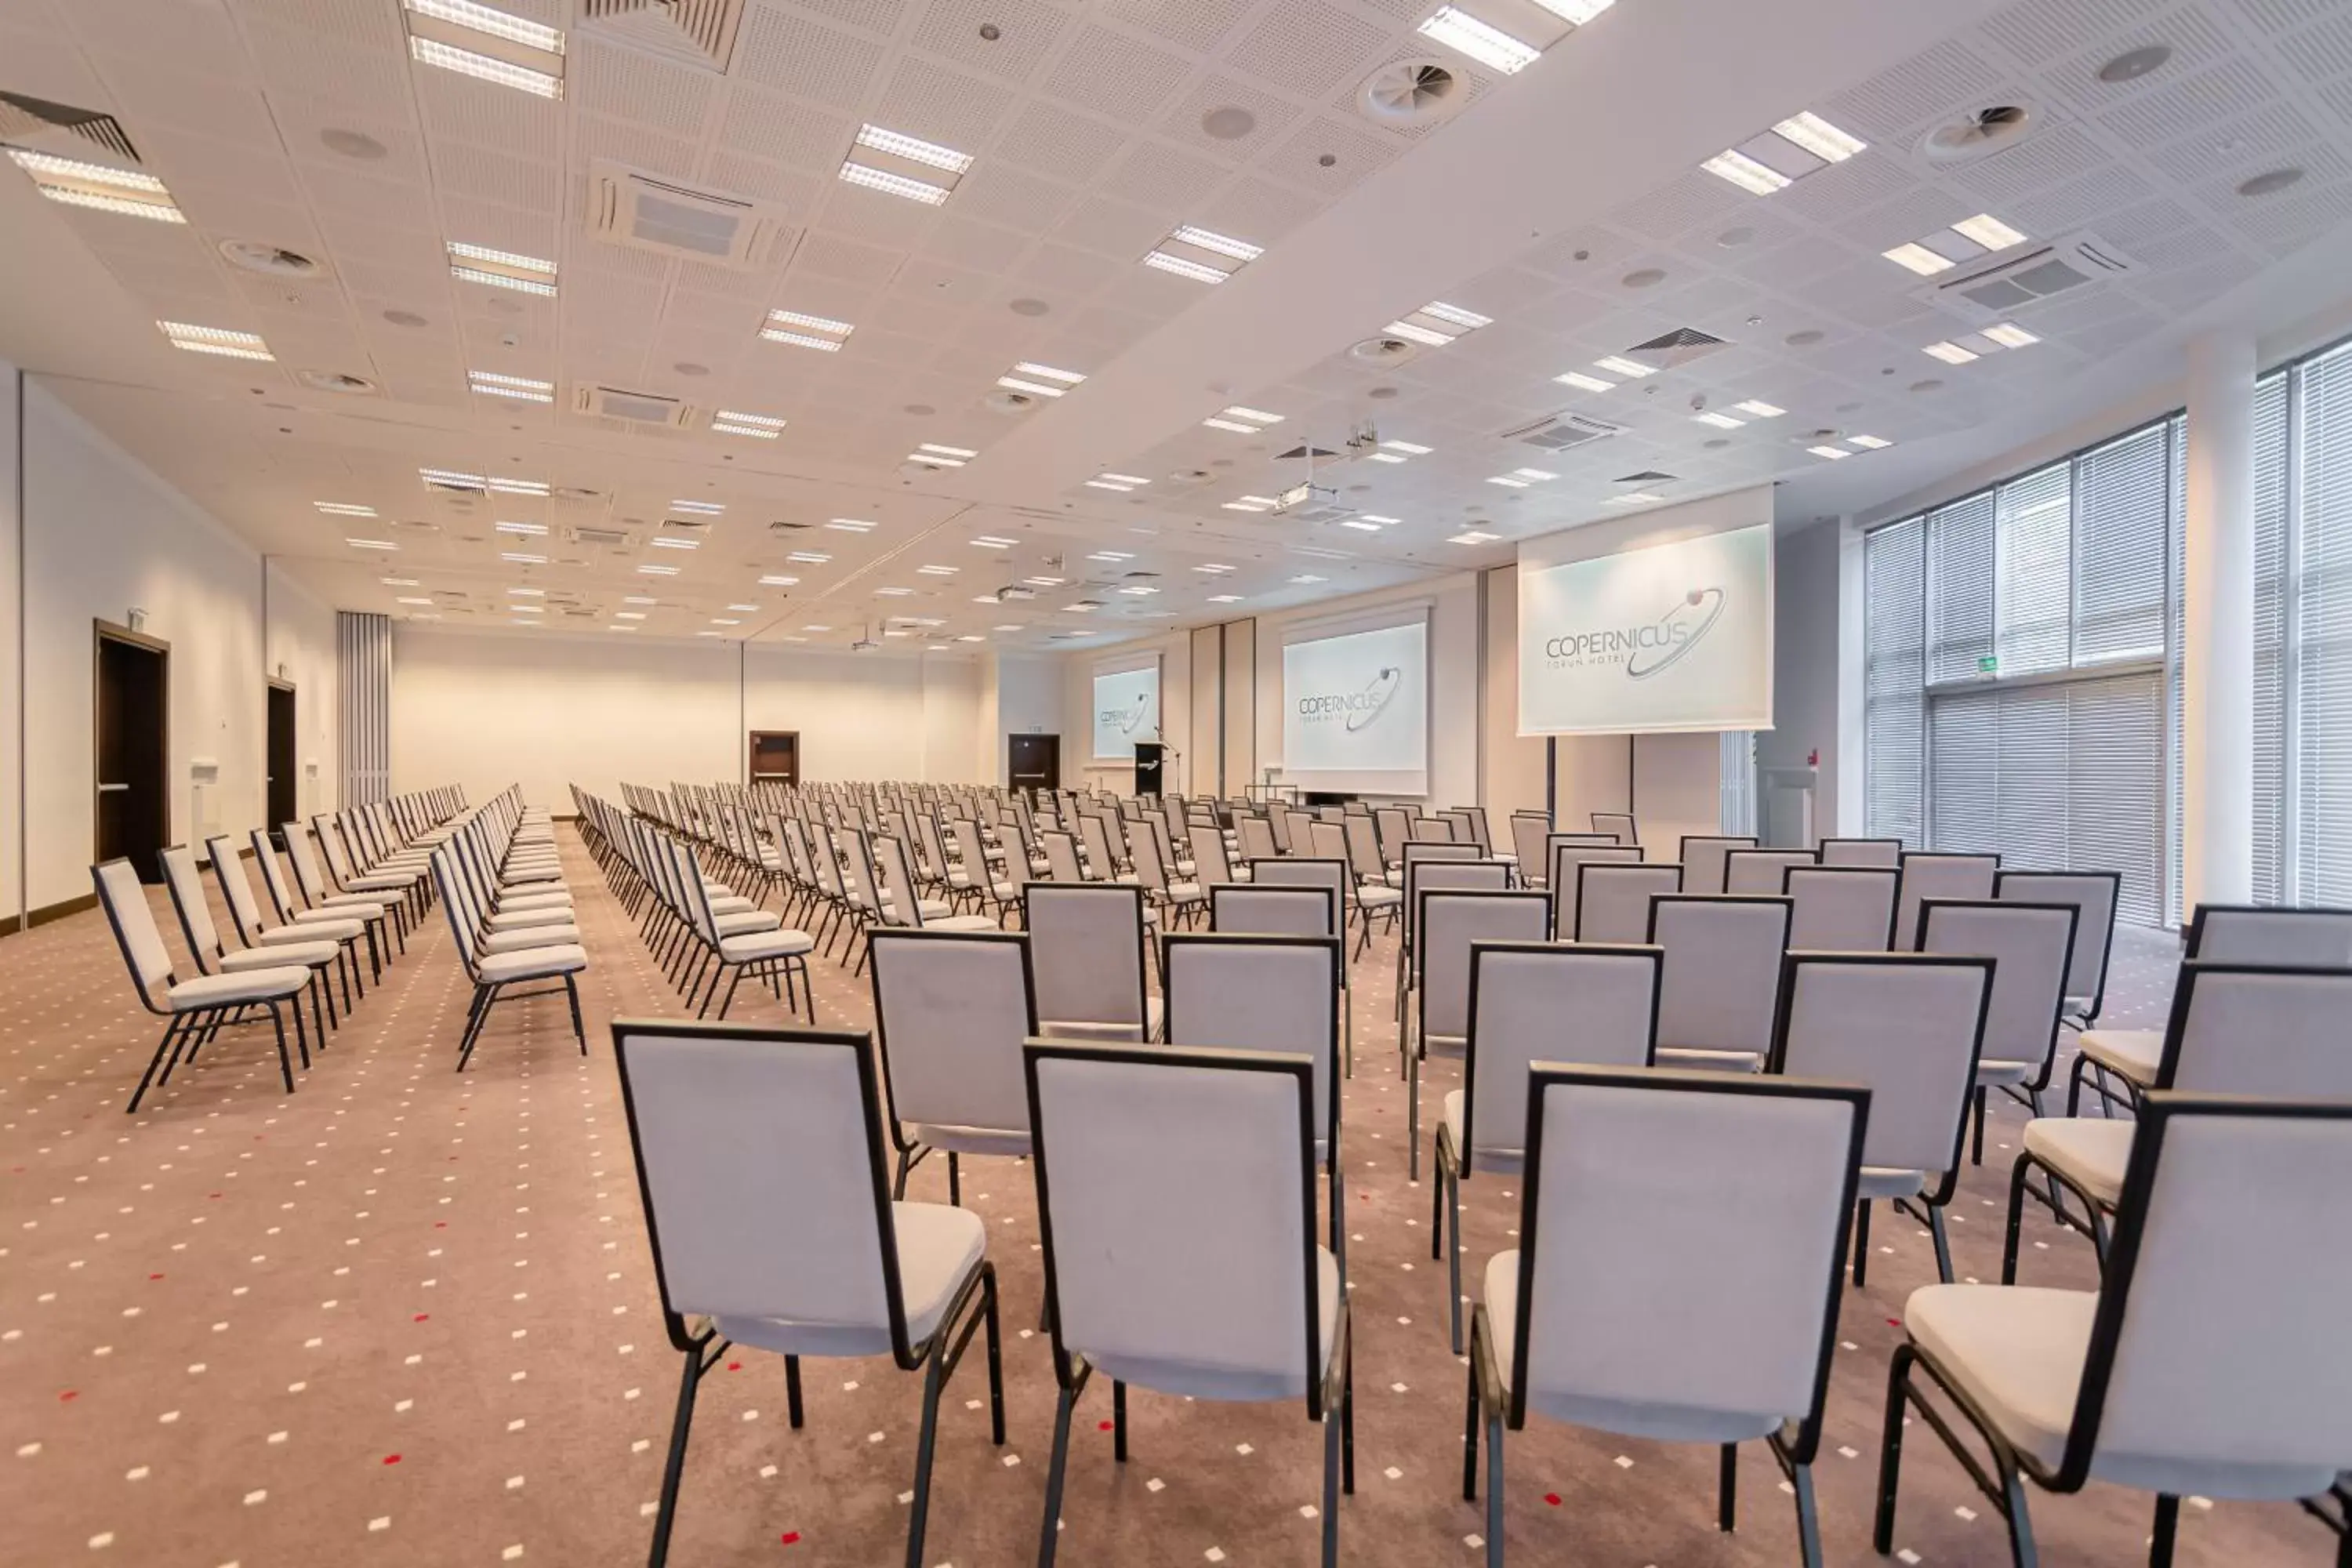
x=499 y=226
x=1695 y=200
x=2248 y=143
x=380 y=203
x=796 y=191
x=1580 y=255
x=627 y=85
x=2234 y=87
x=982 y=247
x=1142 y=291
x=1220 y=96
x=294 y=61
x=2039 y=30
x=618 y=262
x=1308 y=47
x=2060 y=153
x=399 y=288
x=1259 y=208
x=2322 y=51
x=199 y=160
x=2337 y=97
x=1354 y=155
x=950 y=106
x=1047 y=139
x=1027 y=30
x=463 y=110
x=2079 y=202
x=521 y=182
x=1199 y=25
x=2194 y=38
x=829 y=256
x=1159 y=176
x=777 y=49
x=1057 y=269
x=994 y=194
x=1114 y=73
x=360 y=21
x=1831 y=194
x=1920 y=210
x=1110 y=331
x=1915 y=93
x=1114 y=228
x=872 y=217
x=2192 y=287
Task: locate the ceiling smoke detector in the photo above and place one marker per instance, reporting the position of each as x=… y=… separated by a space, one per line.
x=275 y=260
x=1411 y=92
x=1981 y=130
x=1011 y=404
x=1382 y=351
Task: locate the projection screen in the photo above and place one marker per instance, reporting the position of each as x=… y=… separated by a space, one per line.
x=1355 y=707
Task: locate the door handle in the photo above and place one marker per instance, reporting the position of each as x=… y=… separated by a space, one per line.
x=110 y=788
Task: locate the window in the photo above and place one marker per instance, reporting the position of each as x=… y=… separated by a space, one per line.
x=2017 y=687
x=2318 y=626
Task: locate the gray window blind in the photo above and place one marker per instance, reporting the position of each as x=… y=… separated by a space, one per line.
x=2271 y=505
x=2032 y=551
x=2319 y=651
x=2121 y=492
x=2175 y=628
x=1960 y=588
x=1894 y=641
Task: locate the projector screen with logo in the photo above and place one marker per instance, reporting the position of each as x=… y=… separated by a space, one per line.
x=1675 y=636
x=1355 y=709
x=1126 y=709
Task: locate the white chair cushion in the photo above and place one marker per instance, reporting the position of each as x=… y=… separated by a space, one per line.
x=2015 y=1350
x=1372 y=896
x=2092 y=1151
x=531 y=937
x=251 y=985
x=1988 y=1071
x=1186 y=892
x=959 y=922
x=1670 y=1423
x=521 y=919
x=939 y=1247
x=729 y=904
x=753 y=946
x=1696 y=1059
x=1082 y=1030
x=969 y=1140
x=537 y=899
x=533 y=964
x=285 y=953
x=2134 y=1053
x=1885 y=1182
x=531 y=874
x=378 y=883
x=345 y=906
x=1199 y=1382
x=743 y=922
x=303 y=933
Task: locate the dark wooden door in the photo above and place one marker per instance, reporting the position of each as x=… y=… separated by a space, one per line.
x=285 y=801
x=1034 y=761
x=133 y=731
x=776 y=756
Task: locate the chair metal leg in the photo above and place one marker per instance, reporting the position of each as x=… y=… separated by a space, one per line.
x=173 y=1028
x=285 y=1063
x=1890 y=1449
x=1118 y=1420
x=1494 y=1489
x=1809 y=1521
x=1977 y=1155
x=955 y=1181
x=2168 y=1524
x=2016 y=1219
x=1332 y=1421
x=1727 y=1488
x=666 y=1514
x=988 y=1306
x=1452 y=1184
x=1049 y=1537
x=792 y=1411
x=579 y=1033
x=934 y=1374
x=1861 y=1240
x=1943 y=1242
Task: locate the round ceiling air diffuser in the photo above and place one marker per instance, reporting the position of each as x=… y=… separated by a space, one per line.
x=1983 y=130
x=1383 y=352
x=1420 y=90
x=275 y=260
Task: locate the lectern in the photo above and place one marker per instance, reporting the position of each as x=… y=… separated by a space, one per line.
x=1150 y=756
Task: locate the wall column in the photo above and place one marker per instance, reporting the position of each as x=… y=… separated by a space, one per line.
x=2217 y=651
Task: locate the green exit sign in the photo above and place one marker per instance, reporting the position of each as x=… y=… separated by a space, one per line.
x=1989 y=664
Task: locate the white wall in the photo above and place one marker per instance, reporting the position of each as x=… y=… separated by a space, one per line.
x=300 y=647
x=12 y=686
x=1029 y=703
x=1079 y=765
x=103 y=534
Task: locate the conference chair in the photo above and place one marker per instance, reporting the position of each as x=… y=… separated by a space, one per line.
x=1181 y=901
x=1374 y=893
x=1172 y=1261
x=903 y=903
x=318 y=899
x=2273 y=1031
x=186 y=886
x=1841 y=908
x=1566 y=855
x=1531 y=1002
x=1879 y=854
x=1721 y=985
x=1760 y=870
x=763 y=949
x=1938 y=876
x=1211 y=864
x=760 y=1167
x=253 y=932
x=1248 y=909
x=1620 y=823
x=1530 y=832
x=2211 y=1361
x=1256 y=835
x=1676 y=1275
x=1448 y=922
x=1704 y=858
x=1612 y=899
x=1061 y=858
x=2028 y=944
x=1267 y=993
x=2095 y=894
x=983 y=885
x=1085 y=952
x=950 y=1011
x=1908 y=1027
x=195 y=1010
x=493 y=972
x=1424 y=872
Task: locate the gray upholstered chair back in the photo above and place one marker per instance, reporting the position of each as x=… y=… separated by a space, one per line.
x=1448 y=924
x=952 y=1009
x=1846 y=909
x=1722 y=978
x=1760 y=870
x=1548 y=1002
x=2028 y=944
x=1704 y=858
x=1085 y=952
x=2229 y=934
x=1938 y=876
x=2285 y=1033
x=1612 y=900
x=1907 y=1027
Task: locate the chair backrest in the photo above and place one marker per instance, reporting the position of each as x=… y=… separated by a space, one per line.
x=1256 y=834
x=1907 y=1027
x=1085 y=952
x=2245 y=934
x=2219 y=1335
x=1620 y=823
x=1681 y=1237
x=1210 y=863
x=1259 y=993
x=1704 y=858
x=228 y=870
x=1363 y=846
x=1529 y=830
x=2094 y=893
x=1062 y=858
x=1612 y=899
x=305 y=868
x=1424 y=875
x=1394 y=827
x=1435 y=830
x=1176 y=1194
x=273 y=876
x=1553 y=1001
x=898 y=885
x=1885 y=854
x=1722 y=977
x=1328 y=841
x=2028 y=944
x=952 y=1008
x=1143 y=848
x=1758 y=870
x=133 y=922
x=1446 y=925
x=1249 y=908
x=2284 y=1033
x=760 y=1162
x=1292 y=827
x=1845 y=908
x=968 y=849
x=1938 y=876
x=1101 y=857
x=185 y=883
x=1304 y=871
x=1567 y=855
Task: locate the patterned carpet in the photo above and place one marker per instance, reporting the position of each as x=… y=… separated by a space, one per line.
x=406 y=1317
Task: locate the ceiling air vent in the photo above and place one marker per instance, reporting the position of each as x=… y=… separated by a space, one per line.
x=645 y=212
x=1408 y=93
x=610 y=538
x=1986 y=129
x=1646 y=477
x=1675 y=348
x=691 y=32
x=644 y=410
x=26 y=118
x=1557 y=431
x=1382 y=351
x=1995 y=292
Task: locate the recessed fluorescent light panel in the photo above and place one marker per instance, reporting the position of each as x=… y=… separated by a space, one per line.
x=805 y=331
x=521 y=387
x=699 y=508
x=1720 y=421
x=1437 y=323
x=931 y=452
x=502 y=269
x=486 y=44
x=1966 y=240
x=901 y=165
x=735 y=422
x=1472 y=536
x=1775 y=159
x=215 y=341
x=2009 y=335
x=1042 y=380
x=652 y=571
x=1830 y=452
x=343 y=509
x=1583 y=382
x=1489 y=47
x=123 y=192
x=1107 y=480
x=1634 y=498
x=808 y=557
x=371 y=544
x=1867 y=443
x=849 y=524
x=777 y=580
x=672 y=542
x=1757 y=408
x=529 y=530
x=1949 y=353
x=937 y=571
x=522 y=558
x=1241 y=421
x=1201 y=255
x=1251 y=503
x=1618 y=365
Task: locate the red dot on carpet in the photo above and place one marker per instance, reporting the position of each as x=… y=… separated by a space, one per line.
x=1553 y=1497
x=791 y=1536
x=391 y=1458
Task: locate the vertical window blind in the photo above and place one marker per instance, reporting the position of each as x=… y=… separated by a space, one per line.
x=1894 y=644
x=2271 y=452
x=2318 y=655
